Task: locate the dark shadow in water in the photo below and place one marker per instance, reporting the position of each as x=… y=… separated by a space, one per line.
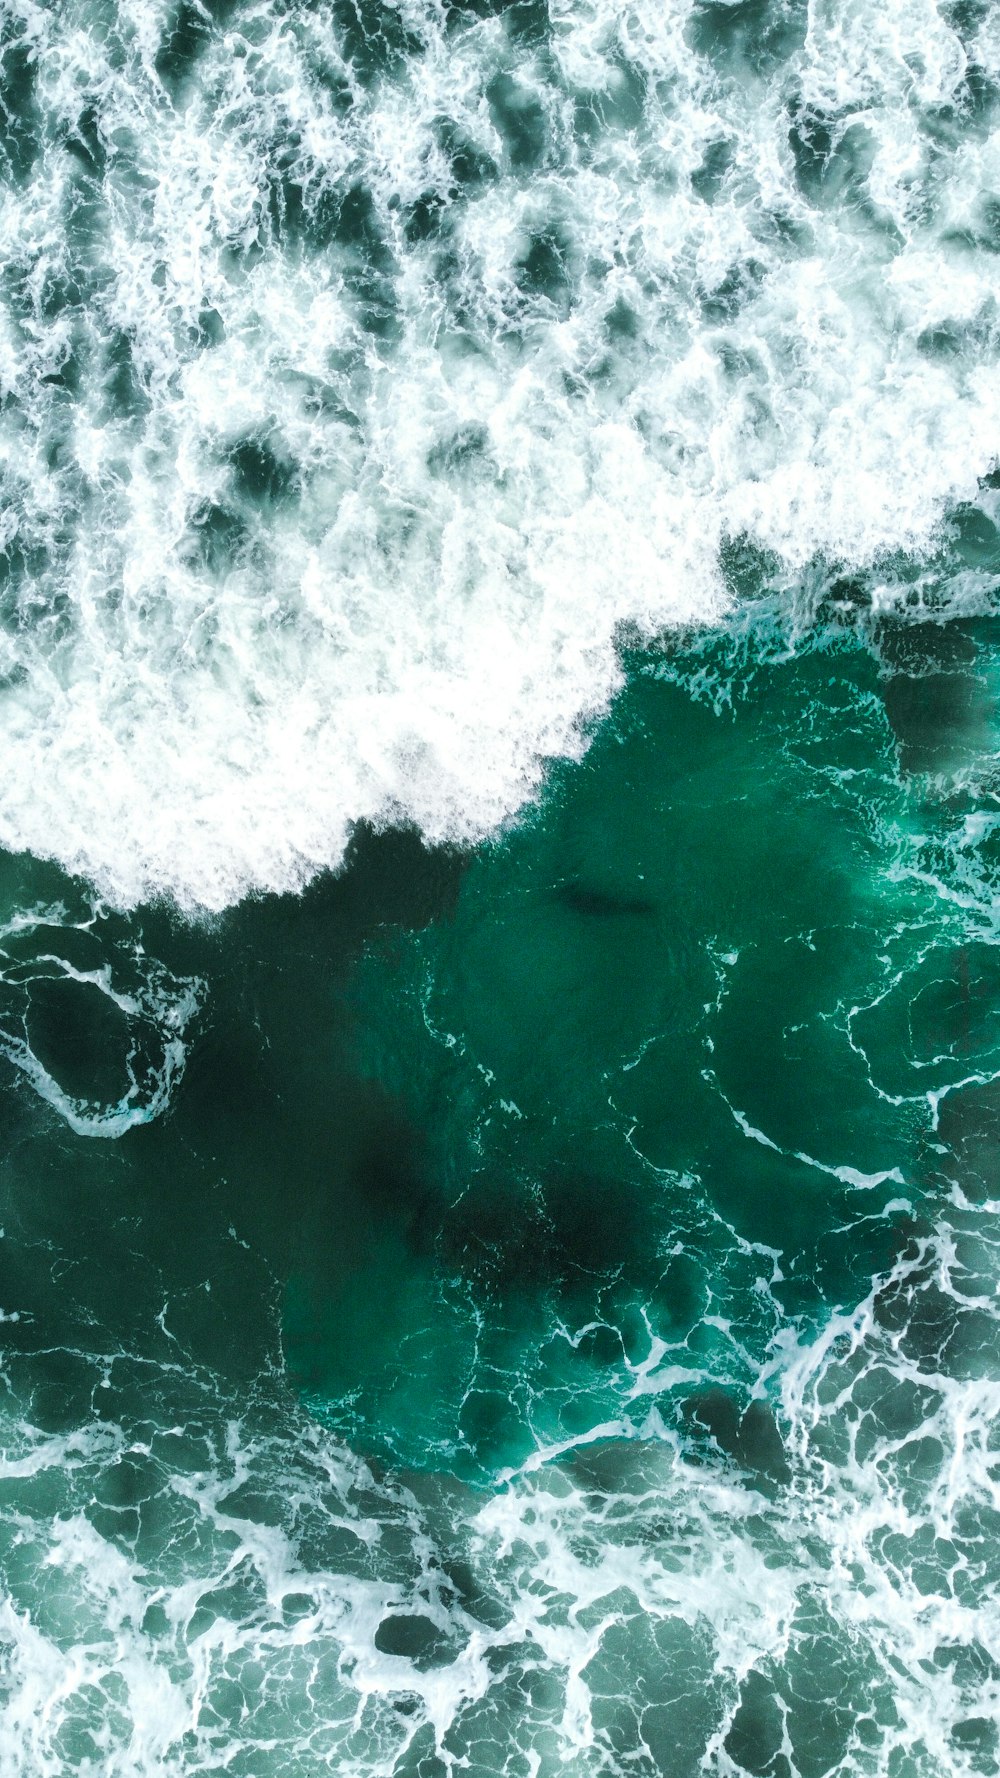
x=599 y=904
x=177 y=1238
x=749 y=1435
x=938 y=705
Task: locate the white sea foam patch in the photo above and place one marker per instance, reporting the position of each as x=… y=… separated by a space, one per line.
x=64 y=993
x=193 y=1582
x=366 y=368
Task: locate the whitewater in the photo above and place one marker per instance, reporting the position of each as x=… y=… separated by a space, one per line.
x=368 y=372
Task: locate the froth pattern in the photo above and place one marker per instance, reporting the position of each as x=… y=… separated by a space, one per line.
x=64 y=989
x=367 y=369
x=209 y=1588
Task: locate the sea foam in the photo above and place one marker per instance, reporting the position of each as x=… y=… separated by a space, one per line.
x=367 y=373
x=621 y=1603
x=61 y=980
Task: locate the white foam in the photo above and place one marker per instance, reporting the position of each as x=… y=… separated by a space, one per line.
x=412 y=636
x=245 y=1621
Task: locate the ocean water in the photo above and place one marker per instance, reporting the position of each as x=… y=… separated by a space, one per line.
x=499 y=939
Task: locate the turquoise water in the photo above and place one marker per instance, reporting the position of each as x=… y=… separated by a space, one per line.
x=554 y=1325
x=499 y=980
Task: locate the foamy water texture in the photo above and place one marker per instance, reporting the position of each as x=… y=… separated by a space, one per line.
x=555 y=1328
x=524 y=1310
x=365 y=368
x=241 y=1595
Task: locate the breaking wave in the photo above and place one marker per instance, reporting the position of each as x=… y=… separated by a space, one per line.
x=368 y=369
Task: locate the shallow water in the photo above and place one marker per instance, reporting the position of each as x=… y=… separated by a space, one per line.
x=499 y=981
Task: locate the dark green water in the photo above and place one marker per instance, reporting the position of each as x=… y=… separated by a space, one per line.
x=549 y=1180
x=499 y=856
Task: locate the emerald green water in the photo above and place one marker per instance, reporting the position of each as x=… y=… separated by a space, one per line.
x=499 y=850
x=665 y=1065
x=552 y=1326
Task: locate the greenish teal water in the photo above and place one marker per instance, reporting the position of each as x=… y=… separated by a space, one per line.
x=616 y=1202
x=499 y=850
